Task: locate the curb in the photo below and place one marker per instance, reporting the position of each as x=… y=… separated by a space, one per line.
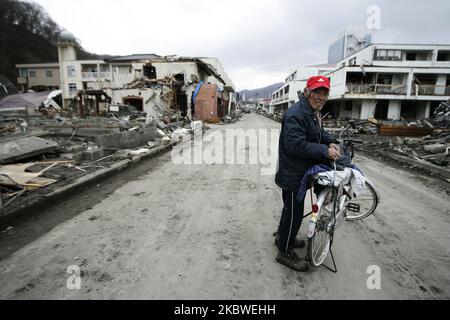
x=85 y=180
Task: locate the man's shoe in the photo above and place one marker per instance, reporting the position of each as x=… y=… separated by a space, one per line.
x=292 y=261
x=298 y=244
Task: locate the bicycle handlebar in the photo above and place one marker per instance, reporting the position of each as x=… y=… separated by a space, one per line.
x=354 y=141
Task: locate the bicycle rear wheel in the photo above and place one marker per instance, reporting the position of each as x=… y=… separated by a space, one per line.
x=367 y=202
x=319 y=245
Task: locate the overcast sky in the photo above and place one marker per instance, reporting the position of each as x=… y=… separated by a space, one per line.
x=257 y=41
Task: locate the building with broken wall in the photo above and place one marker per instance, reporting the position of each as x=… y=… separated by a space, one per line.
x=383 y=81
x=151 y=83
x=391 y=81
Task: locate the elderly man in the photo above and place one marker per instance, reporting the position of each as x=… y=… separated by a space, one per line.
x=303 y=144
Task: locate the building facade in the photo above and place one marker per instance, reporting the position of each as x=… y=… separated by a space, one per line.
x=39 y=76
x=390 y=81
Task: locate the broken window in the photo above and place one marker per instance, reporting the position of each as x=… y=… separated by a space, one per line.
x=388 y=54
x=72 y=88
x=443 y=56
x=71 y=71
x=286 y=90
x=385 y=78
x=179 y=77
x=411 y=56
x=418 y=56
x=150 y=71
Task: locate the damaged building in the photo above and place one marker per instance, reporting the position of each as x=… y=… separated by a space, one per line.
x=151 y=83
x=382 y=81
x=391 y=81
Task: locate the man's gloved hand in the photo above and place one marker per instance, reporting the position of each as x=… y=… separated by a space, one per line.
x=334 y=152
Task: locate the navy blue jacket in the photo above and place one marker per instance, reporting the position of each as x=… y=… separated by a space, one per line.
x=302 y=145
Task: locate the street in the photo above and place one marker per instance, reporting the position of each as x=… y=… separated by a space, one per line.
x=174 y=231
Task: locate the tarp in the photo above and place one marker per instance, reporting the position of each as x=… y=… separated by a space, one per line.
x=23 y=100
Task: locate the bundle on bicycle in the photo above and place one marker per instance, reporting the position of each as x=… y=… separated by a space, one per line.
x=343 y=191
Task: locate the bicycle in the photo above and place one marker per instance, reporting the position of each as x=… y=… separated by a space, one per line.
x=333 y=202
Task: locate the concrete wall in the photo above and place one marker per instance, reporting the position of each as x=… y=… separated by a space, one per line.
x=127 y=139
x=368 y=109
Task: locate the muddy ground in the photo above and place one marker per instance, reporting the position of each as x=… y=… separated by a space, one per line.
x=166 y=231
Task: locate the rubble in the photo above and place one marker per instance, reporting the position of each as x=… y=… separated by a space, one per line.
x=23 y=148
x=45 y=145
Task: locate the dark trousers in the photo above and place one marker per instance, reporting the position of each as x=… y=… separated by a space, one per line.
x=290 y=222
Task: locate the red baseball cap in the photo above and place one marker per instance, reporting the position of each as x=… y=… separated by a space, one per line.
x=317 y=82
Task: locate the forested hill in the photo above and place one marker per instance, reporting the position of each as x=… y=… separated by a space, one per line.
x=28 y=35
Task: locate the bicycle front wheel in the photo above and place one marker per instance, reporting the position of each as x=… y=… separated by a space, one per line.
x=367 y=202
x=319 y=244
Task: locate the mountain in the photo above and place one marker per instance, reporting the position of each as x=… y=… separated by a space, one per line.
x=28 y=35
x=261 y=93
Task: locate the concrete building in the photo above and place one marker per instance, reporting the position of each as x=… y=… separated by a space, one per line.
x=40 y=76
x=352 y=40
x=389 y=81
x=147 y=81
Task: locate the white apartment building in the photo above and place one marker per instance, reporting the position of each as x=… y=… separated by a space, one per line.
x=389 y=81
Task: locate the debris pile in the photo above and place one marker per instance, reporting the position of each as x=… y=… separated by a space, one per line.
x=234 y=117
x=441 y=116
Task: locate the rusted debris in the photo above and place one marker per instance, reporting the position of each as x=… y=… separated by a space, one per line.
x=404 y=131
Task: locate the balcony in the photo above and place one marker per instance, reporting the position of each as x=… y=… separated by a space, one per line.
x=431 y=90
x=94 y=76
x=376 y=89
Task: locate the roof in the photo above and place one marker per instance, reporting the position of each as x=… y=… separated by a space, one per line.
x=38 y=65
x=325 y=65
x=23 y=100
x=134 y=57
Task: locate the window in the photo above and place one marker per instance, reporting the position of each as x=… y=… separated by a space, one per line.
x=443 y=56
x=32 y=74
x=411 y=56
x=385 y=79
x=349 y=106
x=71 y=71
x=286 y=90
x=352 y=62
x=388 y=55
x=23 y=73
x=49 y=73
x=72 y=88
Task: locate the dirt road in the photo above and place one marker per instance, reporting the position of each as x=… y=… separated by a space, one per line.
x=167 y=231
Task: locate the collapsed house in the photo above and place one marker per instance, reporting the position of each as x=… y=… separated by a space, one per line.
x=151 y=83
x=106 y=114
